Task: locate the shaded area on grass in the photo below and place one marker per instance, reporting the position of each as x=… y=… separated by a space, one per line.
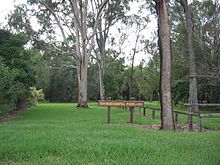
x=13 y=114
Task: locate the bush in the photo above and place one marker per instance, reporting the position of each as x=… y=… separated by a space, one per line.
x=180 y=91
x=16 y=71
x=6 y=97
x=35 y=96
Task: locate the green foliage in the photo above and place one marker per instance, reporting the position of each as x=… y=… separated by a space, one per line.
x=145 y=84
x=17 y=73
x=55 y=76
x=114 y=76
x=93 y=81
x=11 y=47
x=116 y=10
x=180 y=91
x=205 y=19
x=61 y=85
x=209 y=90
x=148 y=79
x=7 y=78
x=61 y=134
x=36 y=95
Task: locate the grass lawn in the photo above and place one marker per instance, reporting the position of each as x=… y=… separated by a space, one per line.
x=61 y=134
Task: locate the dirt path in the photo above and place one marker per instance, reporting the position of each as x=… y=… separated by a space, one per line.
x=179 y=127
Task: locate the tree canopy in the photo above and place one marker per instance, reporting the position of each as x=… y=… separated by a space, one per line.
x=76 y=51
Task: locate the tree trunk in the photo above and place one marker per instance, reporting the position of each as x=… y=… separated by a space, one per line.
x=216 y=44
x=101 y=79
x=101 y=42
x=193 y=97
x=167 y=120
x=131 y=75
x=82 y=66
x=132 y=62
x=82 y=83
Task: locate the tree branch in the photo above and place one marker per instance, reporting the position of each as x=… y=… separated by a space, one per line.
x=75 y=13
x=57 y=20
x=96 y=24
x=68 y=66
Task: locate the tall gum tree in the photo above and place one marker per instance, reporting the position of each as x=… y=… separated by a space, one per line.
x=71 y=18
x=193 y=96
x=167 y=120
x=115 y=10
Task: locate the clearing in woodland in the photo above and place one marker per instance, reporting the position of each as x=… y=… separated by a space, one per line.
x=60 y=134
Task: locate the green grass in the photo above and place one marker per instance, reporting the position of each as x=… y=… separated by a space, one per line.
x=61 y=134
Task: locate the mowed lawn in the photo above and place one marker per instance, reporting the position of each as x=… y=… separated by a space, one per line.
x=61 y=134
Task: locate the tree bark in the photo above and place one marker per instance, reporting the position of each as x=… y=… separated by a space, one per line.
x=82 y=83
x=167 y=119
x=83 y=51
x=101 y=79
x=193 y=96
x=101 y=38
x=131 y=75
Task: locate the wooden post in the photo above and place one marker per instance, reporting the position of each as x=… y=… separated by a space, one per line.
x=144 y=111
x=190 y=122
x=131 y=115
x=130 y=104
x=199 y=123
x=109 y=112
x=176 y=117
x=109 y=115
x=153 y=114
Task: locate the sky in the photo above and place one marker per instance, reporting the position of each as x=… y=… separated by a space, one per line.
x=7 y=6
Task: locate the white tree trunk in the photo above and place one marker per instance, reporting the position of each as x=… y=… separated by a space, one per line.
x=82 y=83
x=101 y=80
x=100 y=56
x=101 y=40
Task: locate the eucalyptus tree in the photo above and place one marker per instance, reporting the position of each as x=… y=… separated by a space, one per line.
x=205 y=44
x=128 y=37
x=70 y=19
x=115 y=10
x=193 y=96
x=131 y=43
x=206 y=30
x=167 y=120
x=139 y=23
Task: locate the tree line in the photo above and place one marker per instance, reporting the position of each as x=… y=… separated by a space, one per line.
x=86 y=63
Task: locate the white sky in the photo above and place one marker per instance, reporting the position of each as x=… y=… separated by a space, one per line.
x=7 y=5
x=129 y=45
